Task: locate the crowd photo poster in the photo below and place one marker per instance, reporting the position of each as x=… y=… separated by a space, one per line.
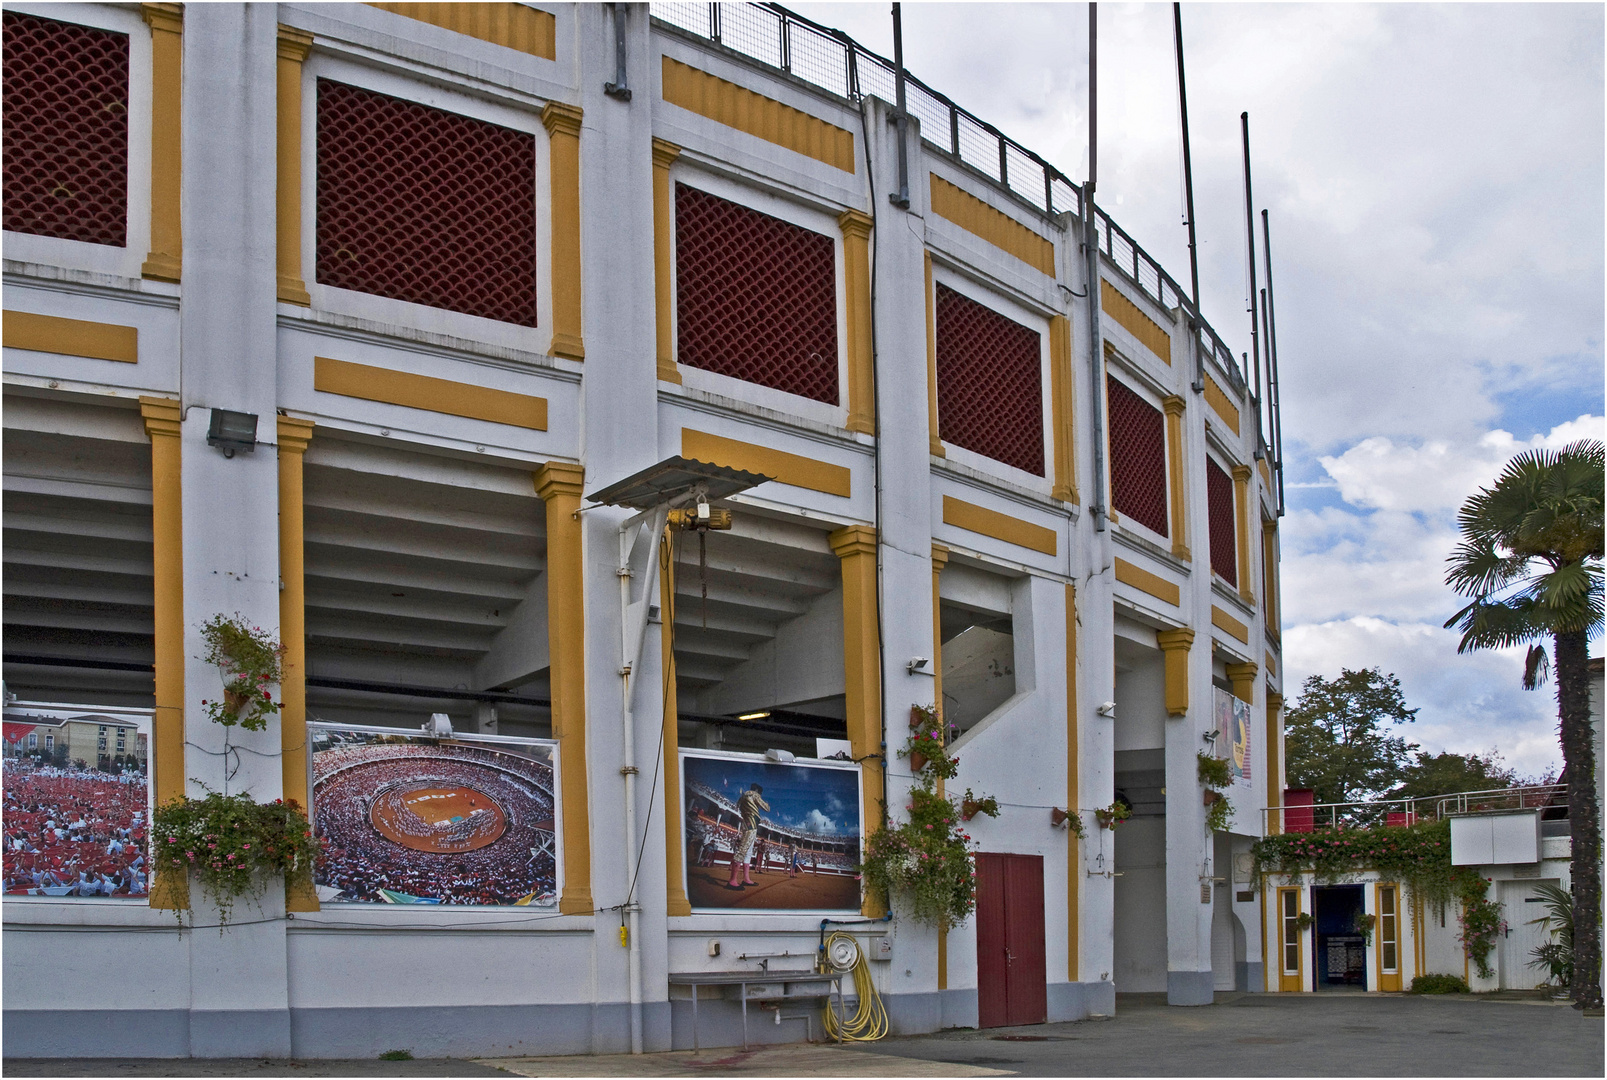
x=409 y=819
x=770 y=836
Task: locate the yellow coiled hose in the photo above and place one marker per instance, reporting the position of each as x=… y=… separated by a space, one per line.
x=869 y=1021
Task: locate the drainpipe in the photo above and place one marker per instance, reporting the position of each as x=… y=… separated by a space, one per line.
x=1096 y=366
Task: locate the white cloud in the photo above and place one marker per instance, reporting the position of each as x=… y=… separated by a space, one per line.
x=816 y=822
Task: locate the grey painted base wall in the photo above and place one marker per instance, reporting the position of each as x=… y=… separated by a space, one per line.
x=1190 y=987
x=1249 y=977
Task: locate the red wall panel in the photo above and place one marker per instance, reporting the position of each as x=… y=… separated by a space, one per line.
x=1137 y=458
x=1219 y=517
x=989 y=383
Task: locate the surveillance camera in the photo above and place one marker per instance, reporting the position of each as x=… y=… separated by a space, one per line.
x=1107 y=708
x=1212 y=735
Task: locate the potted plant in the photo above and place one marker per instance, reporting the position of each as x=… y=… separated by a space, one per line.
x=1303 y=921
x=1363 y=925
x=226 y=841
x=1114 y=814
x=972 y=804
x=927 y=743
x=1216 y=777
x=250 y=661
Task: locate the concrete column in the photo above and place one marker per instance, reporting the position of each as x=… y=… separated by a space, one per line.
x=1188 y=857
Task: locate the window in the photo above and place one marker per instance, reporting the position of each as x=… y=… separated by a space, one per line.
x=100 y=743
x=1220 y=519
x=1388 y=930
x=1290 y=899
x=1137 y=458
x=33 y=740
x=989 y=383
x=50 y=742
x=425 y=206
x=755 y=296
x=65 y=131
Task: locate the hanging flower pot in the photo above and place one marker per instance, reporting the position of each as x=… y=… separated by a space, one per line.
x=917 y=761
x=1212 y=796
x=248 y=659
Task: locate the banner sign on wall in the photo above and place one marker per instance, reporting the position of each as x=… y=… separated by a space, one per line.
x=77 y=801
x=1233 y=721
x=410 y=819
x=767 y=836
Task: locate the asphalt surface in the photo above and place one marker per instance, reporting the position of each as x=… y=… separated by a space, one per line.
x=1241 y=1035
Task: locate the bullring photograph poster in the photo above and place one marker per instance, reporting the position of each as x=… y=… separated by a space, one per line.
x=408 y=818
x=763 y=835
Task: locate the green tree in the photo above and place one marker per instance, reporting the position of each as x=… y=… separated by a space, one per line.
x=1448 y=773
x=1336 y=736
x=1530 y=561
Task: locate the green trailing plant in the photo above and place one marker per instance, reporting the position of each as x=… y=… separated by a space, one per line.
x=1303 y=921
x=1113 y=815
x=926 y=861
x=1217 y=777
x=1439 y=984
x=972 y=804
x=1418 y=856
x=1071 y=820
x=224 y=841
x=1363 y=925
x=1556 y=955
x=251 y=661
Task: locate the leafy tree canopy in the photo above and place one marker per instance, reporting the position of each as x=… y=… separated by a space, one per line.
x=1337 y=736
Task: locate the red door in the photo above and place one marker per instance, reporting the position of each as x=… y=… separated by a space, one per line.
x=1011 y=976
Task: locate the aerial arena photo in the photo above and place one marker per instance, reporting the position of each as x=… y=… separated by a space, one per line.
x=768 y=836
x=413 y=820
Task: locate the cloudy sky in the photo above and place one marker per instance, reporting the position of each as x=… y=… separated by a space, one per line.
x=1434 y=175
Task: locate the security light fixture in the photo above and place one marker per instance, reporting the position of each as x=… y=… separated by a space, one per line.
x=919 y=665
x=785 y=757
x=1107 y=709
x=753 y=716
x=231 y=431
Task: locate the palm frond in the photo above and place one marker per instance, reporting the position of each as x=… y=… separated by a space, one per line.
x=1499 y=625
x=1536 y=668
x=1479 y=568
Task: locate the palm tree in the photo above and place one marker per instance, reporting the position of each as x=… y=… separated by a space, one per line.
x=1531 y=561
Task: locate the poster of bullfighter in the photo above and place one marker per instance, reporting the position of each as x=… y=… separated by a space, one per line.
x=770 y=836
x=408 y=819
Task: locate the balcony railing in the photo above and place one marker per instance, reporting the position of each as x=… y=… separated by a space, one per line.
x=1365 y=815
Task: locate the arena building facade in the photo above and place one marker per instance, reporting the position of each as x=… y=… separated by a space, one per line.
x=465 y=265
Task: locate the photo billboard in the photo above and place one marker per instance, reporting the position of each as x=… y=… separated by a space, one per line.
x=413 y=819
x=1233 y=721
x=762 y=835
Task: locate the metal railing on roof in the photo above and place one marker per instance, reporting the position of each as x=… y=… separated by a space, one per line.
x=1323 y=817
x=834 y=62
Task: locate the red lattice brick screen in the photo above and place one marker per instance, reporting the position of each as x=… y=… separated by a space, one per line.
x=989 y=383
x=1137 y=458
x=65 y=131
x=755 y=297
x=1219 y=518
x=425 y=206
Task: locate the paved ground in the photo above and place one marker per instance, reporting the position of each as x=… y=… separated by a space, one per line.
x=1240 y=1035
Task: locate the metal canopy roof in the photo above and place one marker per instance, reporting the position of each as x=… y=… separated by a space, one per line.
x=672 y=478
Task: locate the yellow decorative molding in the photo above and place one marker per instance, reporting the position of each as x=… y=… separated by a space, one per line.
x=1241 y=528
x=1221 y=404
x=754 y=114
x=1272 y=596
x=563 y=134
x=1062 y=398
x=70 y=337
x=1177 y=496
x=1175 y=646
x=934 y=440
x=1229 y=625
x=429 y=394
x=293 y=436
x=855 y=547
x=1127 y=315
x=1274 y=742
x=294 y=45
x=856 y=226
x=1004 y=232
x=166 y=257
x=792 y=469
x=664 y=155
x=1145 y=582
x=1266 y=473
x=512 y=26
x=163 y=421
x=1243 y=676
x=559 y=485
x=1012 y=530
x=1074 y=863
x=676 y=902
x=1272 y=666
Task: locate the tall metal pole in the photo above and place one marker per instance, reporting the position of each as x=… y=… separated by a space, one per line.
x=1249 y=237
x=1188 y=165
x=1096 y=364
x=1274 y=410
x=901 y=197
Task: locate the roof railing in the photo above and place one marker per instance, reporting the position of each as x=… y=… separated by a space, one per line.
x=832 y=61
x=1323 y=817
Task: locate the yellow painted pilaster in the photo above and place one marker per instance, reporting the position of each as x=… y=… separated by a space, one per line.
x=294 y=434
x=294 y=45
x=1061 y=400
x=856 y=227
x=935 y=441
x=563 y=133
x=165 y=260
x=1176 y=488
x=559 y=485
x=940 y=559
x=1242 y=676
x=1274 y=762
x=1272 y=597
x=664 y=155
x=1241 y=528
x=1175 y=647
x=674 y=850
x=855 y=546
x=162 y=419
x=1074 y=867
